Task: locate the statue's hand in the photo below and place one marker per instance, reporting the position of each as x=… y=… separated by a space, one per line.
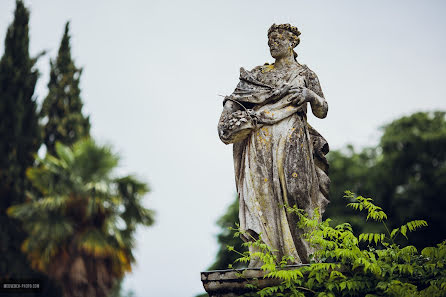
x=300 y=95
x=281 y=91
x=252 y=114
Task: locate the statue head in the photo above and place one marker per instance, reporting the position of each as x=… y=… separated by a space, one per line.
x=282 y=39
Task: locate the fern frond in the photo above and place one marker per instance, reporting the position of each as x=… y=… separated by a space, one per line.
x=362 y=203
x=376 y=237
x=416 y=224
x=394 y=233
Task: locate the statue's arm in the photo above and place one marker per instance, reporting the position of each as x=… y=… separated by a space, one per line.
x=315 y=96
x=319 y=105
x=251 y=90
x=312 y=93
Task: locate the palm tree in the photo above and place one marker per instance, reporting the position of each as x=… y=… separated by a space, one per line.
x=81 y=223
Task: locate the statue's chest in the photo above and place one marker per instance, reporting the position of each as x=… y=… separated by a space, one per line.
x=277 y=78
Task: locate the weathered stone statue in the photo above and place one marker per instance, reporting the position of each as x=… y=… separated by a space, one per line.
x=279 y=158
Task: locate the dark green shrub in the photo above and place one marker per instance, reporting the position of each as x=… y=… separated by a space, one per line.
x=344 y=264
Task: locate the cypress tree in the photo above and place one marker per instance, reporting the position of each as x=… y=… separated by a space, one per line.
x=62 y=108
x=20 y=137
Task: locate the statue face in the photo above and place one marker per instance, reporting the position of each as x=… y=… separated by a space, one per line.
x=279 y=45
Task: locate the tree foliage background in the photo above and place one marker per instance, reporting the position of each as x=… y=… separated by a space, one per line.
x=62 y=108
x=82 y=219
x=405 y=173
x=65 y=219
x=20 y=140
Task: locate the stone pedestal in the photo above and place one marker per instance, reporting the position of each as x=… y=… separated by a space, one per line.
x=232 y=282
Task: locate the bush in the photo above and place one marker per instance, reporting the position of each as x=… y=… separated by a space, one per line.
x=369 y=265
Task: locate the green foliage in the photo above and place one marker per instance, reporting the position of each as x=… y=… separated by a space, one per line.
x=19 y=132
x=62 y=108
x=20 y=140
x=371 y=264
x=18 y=126
x=82 y=214
x=406 y=173
x=68 y=213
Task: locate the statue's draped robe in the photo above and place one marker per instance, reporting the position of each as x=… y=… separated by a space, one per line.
x=278 y=158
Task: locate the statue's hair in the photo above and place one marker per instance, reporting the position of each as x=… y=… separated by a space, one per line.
x=294 y=36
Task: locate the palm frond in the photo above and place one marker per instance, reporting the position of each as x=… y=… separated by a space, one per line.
x=65 y=154
x=93 y=162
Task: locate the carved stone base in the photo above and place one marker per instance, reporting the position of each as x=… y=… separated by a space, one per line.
x=232 y=282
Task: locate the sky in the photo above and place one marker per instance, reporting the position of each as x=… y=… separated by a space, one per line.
x=154 y=70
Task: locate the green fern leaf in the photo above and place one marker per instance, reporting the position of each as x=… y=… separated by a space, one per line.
x=404 y=230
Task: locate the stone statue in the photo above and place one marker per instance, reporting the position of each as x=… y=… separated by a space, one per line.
x=279 y=158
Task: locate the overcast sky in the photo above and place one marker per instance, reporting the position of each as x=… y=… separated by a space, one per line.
x=153 y=71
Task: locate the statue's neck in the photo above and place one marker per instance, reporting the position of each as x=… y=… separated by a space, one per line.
x=284 y=62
